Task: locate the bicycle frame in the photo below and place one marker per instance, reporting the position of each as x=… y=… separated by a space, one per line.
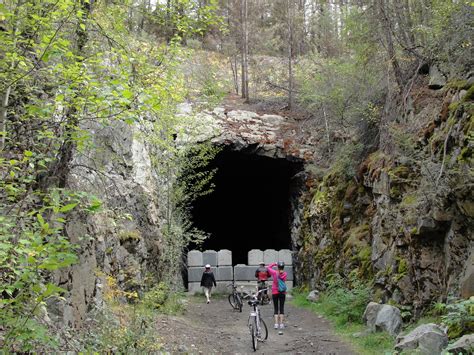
x=236 y=297
x=256 y=321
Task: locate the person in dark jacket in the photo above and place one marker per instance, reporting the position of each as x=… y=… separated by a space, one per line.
x=207 y=281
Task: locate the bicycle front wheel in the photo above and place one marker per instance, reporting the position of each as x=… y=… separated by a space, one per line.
x=253 y=334
x=233 y=300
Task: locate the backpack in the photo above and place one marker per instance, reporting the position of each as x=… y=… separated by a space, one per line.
x=281 y=286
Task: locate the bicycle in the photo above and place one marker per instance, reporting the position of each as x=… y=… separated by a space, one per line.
x=236 y=297
x=264 y=298
x=257 y=327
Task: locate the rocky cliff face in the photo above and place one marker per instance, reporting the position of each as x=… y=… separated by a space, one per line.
x=406 y=221
x=122 y=240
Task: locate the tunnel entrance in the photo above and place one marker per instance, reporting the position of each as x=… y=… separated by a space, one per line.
x=249 y=207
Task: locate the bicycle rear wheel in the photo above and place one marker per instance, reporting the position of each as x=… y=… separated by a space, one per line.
x=263 y=330
x=234 y=301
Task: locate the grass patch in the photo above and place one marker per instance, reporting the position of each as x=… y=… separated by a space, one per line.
x=349 y=328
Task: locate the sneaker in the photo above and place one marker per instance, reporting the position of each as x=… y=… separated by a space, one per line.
x=275 y=326
x=282 y=326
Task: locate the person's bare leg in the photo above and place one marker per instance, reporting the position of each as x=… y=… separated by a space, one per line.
x=276 y=321
x=282 y=318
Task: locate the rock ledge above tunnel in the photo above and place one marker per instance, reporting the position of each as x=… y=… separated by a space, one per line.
x=266 y=135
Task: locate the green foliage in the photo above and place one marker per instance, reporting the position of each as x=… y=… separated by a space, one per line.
x=346 y=160
x=183 y=19
x=67 y=66
x=28 y=253
x=448 y=34
x=438 y=309
x=157 y=296
x=459 y=317
x=354 y=332
x=345 y=302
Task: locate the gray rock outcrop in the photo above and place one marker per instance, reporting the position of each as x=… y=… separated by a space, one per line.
x=427 y=339
x=464 y=345
x=313 y=296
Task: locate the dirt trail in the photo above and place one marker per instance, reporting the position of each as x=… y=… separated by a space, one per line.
x=216 y=328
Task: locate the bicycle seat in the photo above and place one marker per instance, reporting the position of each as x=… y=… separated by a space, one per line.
x=253 y=301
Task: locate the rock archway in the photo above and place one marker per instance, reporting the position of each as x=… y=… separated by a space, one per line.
x=257 y=200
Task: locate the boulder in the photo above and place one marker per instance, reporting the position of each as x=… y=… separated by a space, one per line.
x=464 y=345
x=437 y=79
x=313 y=296
x=427 y=339
x=370 y=314
x=383 y=317
x=389 y=319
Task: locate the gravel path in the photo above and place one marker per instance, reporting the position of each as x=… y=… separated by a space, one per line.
x=216 y=328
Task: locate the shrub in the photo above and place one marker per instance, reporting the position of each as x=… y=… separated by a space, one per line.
x=157 y=296
x=459 y=317
x=346 y=302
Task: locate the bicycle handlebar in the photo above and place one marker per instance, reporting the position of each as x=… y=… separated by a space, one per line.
x=260 y=291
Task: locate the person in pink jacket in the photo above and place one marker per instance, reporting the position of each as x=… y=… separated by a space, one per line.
x=277 y=296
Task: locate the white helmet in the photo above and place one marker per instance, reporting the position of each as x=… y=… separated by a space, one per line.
x=207 y=266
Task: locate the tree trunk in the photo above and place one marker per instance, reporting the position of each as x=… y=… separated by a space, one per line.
x=3 y=118
x=244 y=47
x=290 y=53
x=235 y=75
x=61 y=168
x=387 y=31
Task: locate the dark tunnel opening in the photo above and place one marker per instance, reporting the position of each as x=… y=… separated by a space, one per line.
x=249 y=207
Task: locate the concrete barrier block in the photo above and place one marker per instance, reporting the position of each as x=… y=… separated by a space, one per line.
x=255 y=256
x=224 y=273
x=195 y=258
x=285 y=256
x=194 y=287
x=222 y=288
x=244 y=272
x=224 y=257
x=195 y=273
x=209 y=257
x=270 y=256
